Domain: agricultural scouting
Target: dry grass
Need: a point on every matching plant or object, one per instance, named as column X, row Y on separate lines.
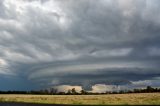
column 112, row 99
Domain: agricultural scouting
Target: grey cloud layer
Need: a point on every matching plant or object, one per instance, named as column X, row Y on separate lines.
column 85, row 42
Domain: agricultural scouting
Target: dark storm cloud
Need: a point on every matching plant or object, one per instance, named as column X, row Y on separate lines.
column 56, row 42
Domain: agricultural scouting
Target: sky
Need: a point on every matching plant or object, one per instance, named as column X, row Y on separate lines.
column 97, row 45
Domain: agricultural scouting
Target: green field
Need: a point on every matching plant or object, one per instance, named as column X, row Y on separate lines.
column 110, row 99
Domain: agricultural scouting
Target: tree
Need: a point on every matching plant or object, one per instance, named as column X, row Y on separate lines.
column 46, row 91
column 73, row 91
column 149, row 89
column 69, row 92
column 83, row 92
column 53, row 91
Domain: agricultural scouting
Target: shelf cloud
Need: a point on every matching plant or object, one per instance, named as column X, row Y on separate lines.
column 84, row 43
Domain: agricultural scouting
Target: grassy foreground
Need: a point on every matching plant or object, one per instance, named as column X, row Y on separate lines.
column 112, row 99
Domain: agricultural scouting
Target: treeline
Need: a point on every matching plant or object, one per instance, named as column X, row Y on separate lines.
column 73, row 91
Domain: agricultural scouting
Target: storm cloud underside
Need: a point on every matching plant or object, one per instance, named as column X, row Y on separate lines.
column 47, row 43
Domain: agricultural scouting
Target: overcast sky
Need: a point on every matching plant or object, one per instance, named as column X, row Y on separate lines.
column 85, row 43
